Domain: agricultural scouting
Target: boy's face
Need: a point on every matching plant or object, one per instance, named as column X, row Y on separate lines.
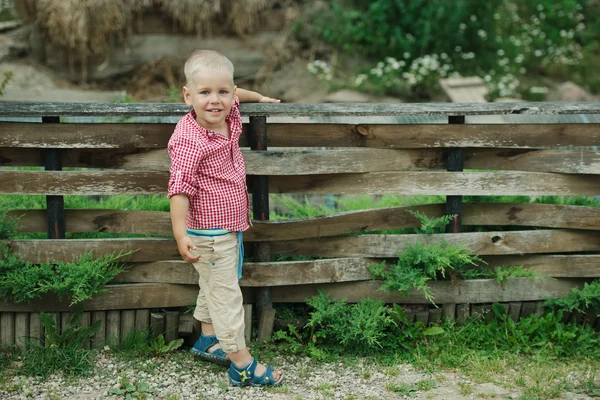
column 211, row 95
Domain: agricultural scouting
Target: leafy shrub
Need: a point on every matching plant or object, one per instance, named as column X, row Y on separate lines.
column 351, row 326
column 23, row 281
column 499, row 40
column 578, row 299
column 419, row 263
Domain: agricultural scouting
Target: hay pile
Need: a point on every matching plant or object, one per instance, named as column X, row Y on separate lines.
column 86, row 28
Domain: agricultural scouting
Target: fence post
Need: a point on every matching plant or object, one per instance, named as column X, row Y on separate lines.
column 55, row 205
column 260, row 207
column 455, row 161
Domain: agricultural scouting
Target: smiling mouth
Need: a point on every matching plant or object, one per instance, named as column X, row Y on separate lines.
column 215, row 111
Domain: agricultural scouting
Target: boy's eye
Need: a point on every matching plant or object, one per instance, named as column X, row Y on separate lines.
column 204, row 92
column 223, row 92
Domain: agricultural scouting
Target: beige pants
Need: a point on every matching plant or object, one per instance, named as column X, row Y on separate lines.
column 220, row 298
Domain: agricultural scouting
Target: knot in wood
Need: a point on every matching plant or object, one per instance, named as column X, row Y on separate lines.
column 497, row 240
column 363, row 130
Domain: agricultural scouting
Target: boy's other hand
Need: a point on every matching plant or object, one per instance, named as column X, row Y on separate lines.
column 184, row 245
column 265, row 99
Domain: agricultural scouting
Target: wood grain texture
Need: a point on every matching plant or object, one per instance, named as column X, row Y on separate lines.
column 375, row 246
column 84, row 136
column 561, row 161
column 258, row 274
column 348, row 270
column 385, row 136
column 471, row 291
column 445, row 183
column 431, row 135
column 128, row 296
column 135, row 296
column 317, row 161
column 403, row 183
column 32, row 109
column 557, row 266
column 474, row 214
column 482, row 243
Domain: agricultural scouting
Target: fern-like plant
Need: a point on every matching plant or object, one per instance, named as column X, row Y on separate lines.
column 420, row 263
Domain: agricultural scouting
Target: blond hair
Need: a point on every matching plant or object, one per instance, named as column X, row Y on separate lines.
column 206, row 60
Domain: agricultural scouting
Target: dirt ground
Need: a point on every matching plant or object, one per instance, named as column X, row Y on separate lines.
column 181, row 376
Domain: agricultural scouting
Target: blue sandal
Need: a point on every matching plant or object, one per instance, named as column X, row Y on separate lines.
column 204, row 343
column 245, row 376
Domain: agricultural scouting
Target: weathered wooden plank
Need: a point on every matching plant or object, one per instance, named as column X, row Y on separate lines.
column 527, row 308
column 84, row 136
column 127, row 296
column 348, row 270
column 21, row 329
column 171, row 326
column 259, row 274
column 271, row 162
column 557, row 266
column 85, row 321
column 469, row 291
column 155, row 136
column 48, row 250
column 113, row 327
column 127, row 323
column 514, row 310
column 142, row 320
column 435, row 316
column 7, row 328
column 82, row 182
column 159, row 222
column 317, row 161
column 157, row 323
column 449, row 311
column 36, row 335
column 247, row 323
column 483, row 243
column 265, row 324
column 32, row 109
column 408, row 183
column 447, row 183
column 560, row 161
column 335, row 161
column 100, row 336
column 420, row 136
column 532, row 214
column 376, row 246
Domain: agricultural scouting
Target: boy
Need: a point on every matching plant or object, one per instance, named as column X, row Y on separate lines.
column 210, row 209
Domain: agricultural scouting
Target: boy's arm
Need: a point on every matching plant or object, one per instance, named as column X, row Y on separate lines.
column 179, row 209
column 248, row 96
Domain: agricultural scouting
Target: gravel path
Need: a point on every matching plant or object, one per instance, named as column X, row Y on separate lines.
column 181, row 376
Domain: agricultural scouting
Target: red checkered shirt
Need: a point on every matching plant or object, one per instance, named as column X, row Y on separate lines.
column 209, row 169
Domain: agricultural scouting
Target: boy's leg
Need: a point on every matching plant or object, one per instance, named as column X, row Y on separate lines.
column 217, row 270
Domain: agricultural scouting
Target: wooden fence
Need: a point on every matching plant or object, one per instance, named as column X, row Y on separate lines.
column 453, row 159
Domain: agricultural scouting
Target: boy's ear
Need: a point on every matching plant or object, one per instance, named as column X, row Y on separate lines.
column 187, row 96
column 234, row 89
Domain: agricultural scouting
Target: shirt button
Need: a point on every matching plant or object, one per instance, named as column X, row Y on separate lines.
column 210, row 133
column 236, row 165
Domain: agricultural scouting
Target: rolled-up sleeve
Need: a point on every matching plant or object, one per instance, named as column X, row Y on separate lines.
column 185, row 156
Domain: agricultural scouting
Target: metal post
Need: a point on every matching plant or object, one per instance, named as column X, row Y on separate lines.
column 260, row 206
column 455, row 160
column 55, row 204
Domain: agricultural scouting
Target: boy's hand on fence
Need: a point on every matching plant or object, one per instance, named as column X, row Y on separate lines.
column 265, row 99
column 184, row 245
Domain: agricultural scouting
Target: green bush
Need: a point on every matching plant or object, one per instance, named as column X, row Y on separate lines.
column 23, row 281
column 415, row 42
column 420, row 263
column 578, row 299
